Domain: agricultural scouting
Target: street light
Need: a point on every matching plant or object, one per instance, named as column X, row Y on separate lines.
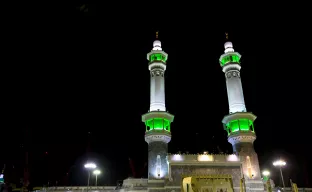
column 96, row 173
column 280, row 163
column 266, row 174
column 89, row 167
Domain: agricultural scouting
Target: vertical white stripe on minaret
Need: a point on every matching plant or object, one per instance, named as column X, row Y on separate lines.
column 157, row 91
column 233, row 83
column 235, row 92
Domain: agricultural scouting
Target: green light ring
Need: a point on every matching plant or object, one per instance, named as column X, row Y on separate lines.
column 158, row 124
column 157, row 57
column 239, row 125
column 230, row 58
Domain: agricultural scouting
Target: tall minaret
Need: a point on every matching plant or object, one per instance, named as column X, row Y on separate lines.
column 157, row 120
column 239, row 123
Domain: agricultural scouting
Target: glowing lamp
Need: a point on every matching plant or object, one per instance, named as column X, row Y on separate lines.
column 232, row 158
column 96, row 172
column 266, row 173
column 279, row 163
column 177, row 158
column 90, row 166
column 205, row 158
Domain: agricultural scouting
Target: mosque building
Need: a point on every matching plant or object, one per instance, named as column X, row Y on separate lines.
column 237, row 172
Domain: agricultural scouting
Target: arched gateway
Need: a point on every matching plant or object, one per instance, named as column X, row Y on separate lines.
column 207, row 183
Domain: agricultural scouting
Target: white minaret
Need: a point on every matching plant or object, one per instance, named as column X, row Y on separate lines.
column 157, row 120
column 239, row 123
column 157, row 67
column 234, row 84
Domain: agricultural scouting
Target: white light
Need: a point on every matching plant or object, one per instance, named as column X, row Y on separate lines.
column 158, row 173
column 157, row 45
column 1, row 176
column 204, row 158
column 90, row 166
column 266, row 173
column 232, row 158
column 96, row 172
column 228, row 47
column 177, row 158
column 279, row 163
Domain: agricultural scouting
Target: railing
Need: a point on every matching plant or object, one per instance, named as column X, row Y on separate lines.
column 151, row 131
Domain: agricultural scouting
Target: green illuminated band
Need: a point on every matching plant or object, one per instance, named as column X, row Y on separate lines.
column 231, row 58
column 157, row 57
column 239, row 125
column 157, row 124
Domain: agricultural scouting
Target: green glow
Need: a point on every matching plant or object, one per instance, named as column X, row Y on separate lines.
column 158, row 57
column 230, row 58
column 239, row 125
column 158, row 123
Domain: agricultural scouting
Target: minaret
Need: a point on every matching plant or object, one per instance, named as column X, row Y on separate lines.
column 157, row 120
column 239, row 123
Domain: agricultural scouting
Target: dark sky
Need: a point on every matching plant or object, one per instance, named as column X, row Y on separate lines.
column 68, row 72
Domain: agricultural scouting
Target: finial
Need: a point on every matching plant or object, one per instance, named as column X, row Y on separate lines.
column 226, row 36
column 156, row 34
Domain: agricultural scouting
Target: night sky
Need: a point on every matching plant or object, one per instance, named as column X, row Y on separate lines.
column 74, row 74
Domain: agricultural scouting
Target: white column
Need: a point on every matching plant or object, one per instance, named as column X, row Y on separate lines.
column 157, row 102
column 235, row 92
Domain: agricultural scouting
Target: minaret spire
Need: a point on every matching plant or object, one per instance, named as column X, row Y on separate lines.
column 226, row 36
column 157, row 120
column 239, row 122
column 157, row 34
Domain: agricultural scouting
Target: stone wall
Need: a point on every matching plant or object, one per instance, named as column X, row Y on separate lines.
column 247, row 151
column 189, row 158
column 154, row 149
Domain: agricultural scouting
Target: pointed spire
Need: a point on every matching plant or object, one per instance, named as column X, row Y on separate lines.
column 228, row 44
column 157, row 43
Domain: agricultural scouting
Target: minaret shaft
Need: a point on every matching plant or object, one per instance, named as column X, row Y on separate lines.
column 157, row 102
column 239, row 123
column 157, row 120
column 235, row 91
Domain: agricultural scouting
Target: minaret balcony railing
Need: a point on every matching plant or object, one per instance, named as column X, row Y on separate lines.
column 155, row 131
column 157, row 124
column 157, row 61
column 239, row 125
column 237, row 133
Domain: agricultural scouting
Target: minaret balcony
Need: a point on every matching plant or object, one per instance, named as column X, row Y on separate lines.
column 239, row 125
column 158, row 124
column 157, row 56
column 157, row 120
column 227, row 58
column 239, row 121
